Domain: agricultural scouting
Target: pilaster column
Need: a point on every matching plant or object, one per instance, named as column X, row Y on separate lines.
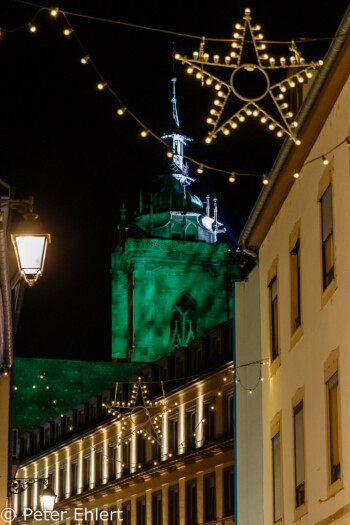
column 182, row 501
column 200, row 503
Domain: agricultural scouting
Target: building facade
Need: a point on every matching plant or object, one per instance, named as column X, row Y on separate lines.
column 161, row 451
column 299, row 229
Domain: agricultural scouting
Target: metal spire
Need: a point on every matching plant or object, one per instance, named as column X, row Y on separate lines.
column 174, row 102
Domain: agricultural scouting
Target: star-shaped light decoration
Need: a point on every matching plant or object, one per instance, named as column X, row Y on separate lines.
column 139, row 414
column 297, row 72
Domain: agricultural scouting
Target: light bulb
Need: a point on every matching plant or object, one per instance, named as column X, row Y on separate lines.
column 296, row 175
column 265, row 180
column 221, row 94
column 272, row 126
column 265, row 56
column 144, row 133
column 213, row 112
column 292, row 59
column 169, row 154
column 67, row 31
column 279, row 133
column 32, row 28
column 101, row 85
column 177, row 56
column 84, row 60
column 256, row 28
column 283, row 89
column 233, row 125
column 298, row 142
column 320, row 62
column 190, row 70
column 260, row 36
column 200, row 169
column 324, row 160
column 272, row 61
column 234, row 44
column 216, row 58
column 238, row 26
column 283, row 61
column 54, row 12
column 250, row 391
column 199, row 75
column 241, row 118
column 216, row 102
column 247, row 11
column 227, row 59
column 294, row 124
column 195, row 55
column 237, row 35
column 226, row 131
column 309, row 74
column 248, row 111
column 300, row 79
column 209, row 81
column 255, row 112
column 120, row 112
column 206, row 57
column 233, row 54
column 291, row 83
column 218, row 86
column 263, row 119
column 231, row 179
column 210, row 120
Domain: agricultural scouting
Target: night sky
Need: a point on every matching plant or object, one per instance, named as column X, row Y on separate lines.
column 62, row 142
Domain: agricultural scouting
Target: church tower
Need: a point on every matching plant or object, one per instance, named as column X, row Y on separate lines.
column 171, row 279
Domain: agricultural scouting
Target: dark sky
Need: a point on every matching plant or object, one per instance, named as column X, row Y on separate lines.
column 62, row 142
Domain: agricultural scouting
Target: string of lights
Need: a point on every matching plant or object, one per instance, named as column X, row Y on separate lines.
column 123, row 109
column 166, row 31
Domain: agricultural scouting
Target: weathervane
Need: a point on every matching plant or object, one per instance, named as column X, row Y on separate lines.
column 299, row 71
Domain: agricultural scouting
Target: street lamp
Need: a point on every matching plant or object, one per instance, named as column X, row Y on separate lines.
column 47, row 498
column 29, row 241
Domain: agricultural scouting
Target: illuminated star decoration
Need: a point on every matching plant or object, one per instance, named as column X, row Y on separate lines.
column 259, row 66
column 149, row 425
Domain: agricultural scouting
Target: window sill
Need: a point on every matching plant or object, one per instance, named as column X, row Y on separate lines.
column 297, row 334
column 300, row 512
column 276, row 363
column 335, row 487
column 328, row 292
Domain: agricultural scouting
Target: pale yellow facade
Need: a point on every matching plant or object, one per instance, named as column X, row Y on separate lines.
column 155, row 475
column 4, row 431
column 313, row 350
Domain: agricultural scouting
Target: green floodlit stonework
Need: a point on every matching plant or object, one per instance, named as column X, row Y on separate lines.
column 150, row 274
column 69, row 384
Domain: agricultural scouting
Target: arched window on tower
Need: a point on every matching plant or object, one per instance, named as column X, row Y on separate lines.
column 183, row 322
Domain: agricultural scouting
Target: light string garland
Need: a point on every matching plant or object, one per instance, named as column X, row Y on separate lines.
column 102, row 84
column 233, row 63
column 166, row 31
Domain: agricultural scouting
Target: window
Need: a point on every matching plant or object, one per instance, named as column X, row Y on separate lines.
column 295, row 286
column 228, row 413
column 191, row 502
column 112, row 458
column 333, row 422
column 183, row 322
column 173, row 505
column 229, row 491
column 277, row 477
column 173, row 435
column 141, row 511
column 327, row 237
column 157, row 508
column 274, row 317
column 209, row 497
column 190, row 429
column 126, row 508
column 141, row 449
column 73, row 478
column 299, row 460
column 98, row 468
column 86, row 473
column 62, row 483
column 209, row 423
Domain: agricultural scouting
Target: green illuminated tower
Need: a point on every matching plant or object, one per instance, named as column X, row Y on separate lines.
column 170, row 276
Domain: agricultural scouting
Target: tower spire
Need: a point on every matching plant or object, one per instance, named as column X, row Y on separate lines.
column 174, row 102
